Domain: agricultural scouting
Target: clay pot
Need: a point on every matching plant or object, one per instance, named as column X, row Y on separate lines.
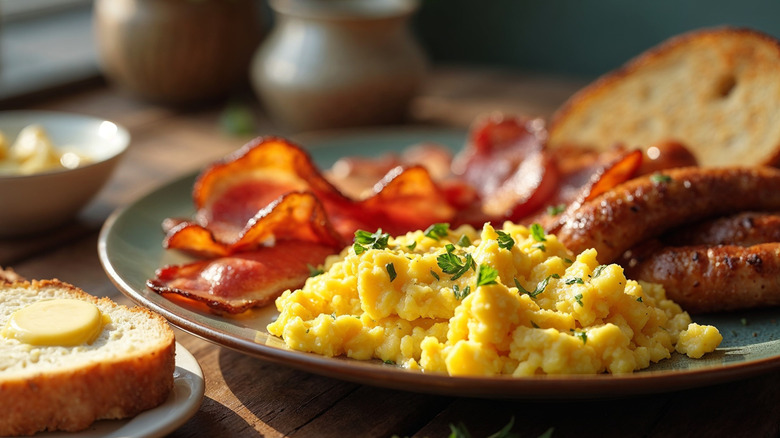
column 177, row 51
column 338, row 63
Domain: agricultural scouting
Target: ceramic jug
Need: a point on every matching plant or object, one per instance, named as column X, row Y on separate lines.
column 338, row 63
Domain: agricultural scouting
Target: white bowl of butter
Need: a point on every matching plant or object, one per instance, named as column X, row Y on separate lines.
column 51, row 165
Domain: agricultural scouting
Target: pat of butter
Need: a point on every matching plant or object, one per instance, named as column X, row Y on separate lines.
column 62, row 322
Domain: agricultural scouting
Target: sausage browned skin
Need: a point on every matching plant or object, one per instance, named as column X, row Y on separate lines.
column 715, row 278
column 743, row 229
column 645, row 207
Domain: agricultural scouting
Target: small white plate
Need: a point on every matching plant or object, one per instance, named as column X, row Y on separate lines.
column 184, row 401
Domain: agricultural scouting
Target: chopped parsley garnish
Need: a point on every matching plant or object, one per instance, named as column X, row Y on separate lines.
column 437, row 231
column 639, row 299
column 314, row 271
column 660, row 178
column 539, row 287
column 581, row 335
column 555, row 210
column 599, row 269
column 435, row 275
column 537, row 232
column 486, row 275
column 578, row 299
column 453, row 265
column 573, row 280
column 412, row 246
column 569, row 261
column 505, row 240
column 463, row 241
column 461, row 294
column 365, row 240
column 391, row 271
column 460, row 431
column 540, row 247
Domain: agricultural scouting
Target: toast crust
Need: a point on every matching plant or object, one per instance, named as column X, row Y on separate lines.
column 71, row 398
column 715, row 90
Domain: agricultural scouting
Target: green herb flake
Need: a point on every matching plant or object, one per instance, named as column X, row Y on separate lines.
column 537, row 232
column 547, row 433
column 555, row 210
column 463, row 241
column 578, row 299
column 412, row 246
column 505, row 240
column 568, row 261
column 540, row 247
column 581, row 335
column 435, row 275
column 391, row 271
column 389, row 362
column 314, row 271
column 365, row 240
column 660, row 178
column 486, row 274
column 437, row 231
column 539, row 287
column 461, row 294
column 534, row 325
column 453, row 265
column 599, row 269
column 573, row 280
column 640, row 299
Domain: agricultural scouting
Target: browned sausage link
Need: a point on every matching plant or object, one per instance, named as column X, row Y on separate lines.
column 743, row 229
column 715, row 278
column 647, row 206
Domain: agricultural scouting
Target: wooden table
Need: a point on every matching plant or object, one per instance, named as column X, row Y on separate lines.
column 248, row 397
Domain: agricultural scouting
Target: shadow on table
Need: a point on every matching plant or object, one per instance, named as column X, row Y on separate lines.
column 292, row 401
column 214, row 419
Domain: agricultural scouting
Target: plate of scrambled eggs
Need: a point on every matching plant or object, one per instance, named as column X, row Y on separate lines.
column 501, row 311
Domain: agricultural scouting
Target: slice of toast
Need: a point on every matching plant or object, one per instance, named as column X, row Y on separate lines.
column 126, row 370
column 717, row 91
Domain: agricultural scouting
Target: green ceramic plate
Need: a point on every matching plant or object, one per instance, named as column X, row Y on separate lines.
column 130, row 251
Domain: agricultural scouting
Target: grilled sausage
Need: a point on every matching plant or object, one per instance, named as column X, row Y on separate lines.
column 715, row 278
column 743, row 229
column 645, row 207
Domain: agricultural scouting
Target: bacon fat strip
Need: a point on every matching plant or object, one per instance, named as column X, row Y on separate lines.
column 705, row 278
column 645, row 207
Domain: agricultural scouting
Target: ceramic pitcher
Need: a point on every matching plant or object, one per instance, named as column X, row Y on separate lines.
column 338, row 63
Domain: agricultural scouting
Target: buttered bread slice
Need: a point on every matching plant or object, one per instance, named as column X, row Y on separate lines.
column 68, row 359
column 717, row 91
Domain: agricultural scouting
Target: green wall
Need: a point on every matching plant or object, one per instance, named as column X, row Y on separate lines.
column 571, row 37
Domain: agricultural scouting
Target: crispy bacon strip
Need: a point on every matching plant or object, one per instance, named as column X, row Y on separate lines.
column 235, row 283
column 506, row 162
column 233, row 190
column 294, row 216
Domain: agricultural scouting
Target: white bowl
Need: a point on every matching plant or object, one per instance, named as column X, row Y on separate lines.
column 43, row 201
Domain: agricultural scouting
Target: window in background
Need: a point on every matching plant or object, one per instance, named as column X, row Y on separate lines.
column 44, row 44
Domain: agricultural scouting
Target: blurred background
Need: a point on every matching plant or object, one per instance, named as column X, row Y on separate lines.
column 46, row 44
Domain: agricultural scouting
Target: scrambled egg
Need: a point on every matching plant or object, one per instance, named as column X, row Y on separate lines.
column 464, row 302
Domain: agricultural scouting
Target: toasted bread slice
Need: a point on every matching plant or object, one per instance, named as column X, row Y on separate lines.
column 126, row 370
column 715, row 90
